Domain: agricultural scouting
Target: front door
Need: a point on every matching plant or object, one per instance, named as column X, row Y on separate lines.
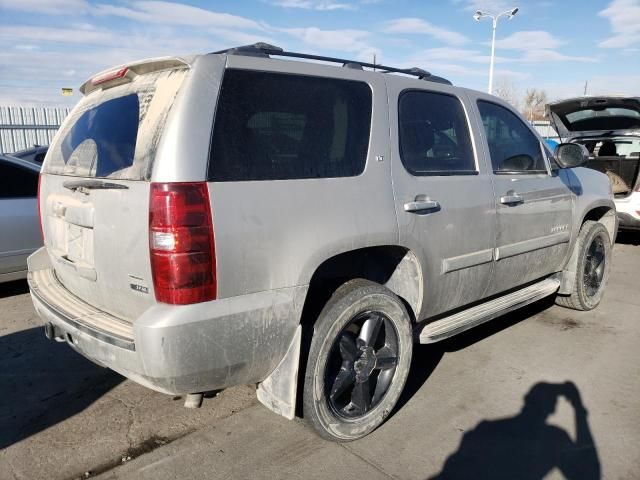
column 443, row 194
column 534, row 203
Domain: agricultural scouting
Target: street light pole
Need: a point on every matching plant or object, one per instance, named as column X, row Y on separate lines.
column 493, row 54
column 479, row 15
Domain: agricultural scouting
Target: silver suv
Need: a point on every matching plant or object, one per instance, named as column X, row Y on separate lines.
column 238, row 218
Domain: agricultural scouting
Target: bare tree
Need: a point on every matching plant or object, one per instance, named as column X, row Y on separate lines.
column 507, row 90
column 534, row 102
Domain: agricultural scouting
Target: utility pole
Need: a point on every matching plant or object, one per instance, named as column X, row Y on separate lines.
column 586, row 82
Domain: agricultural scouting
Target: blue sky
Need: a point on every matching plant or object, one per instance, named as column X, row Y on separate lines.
column 554, row 45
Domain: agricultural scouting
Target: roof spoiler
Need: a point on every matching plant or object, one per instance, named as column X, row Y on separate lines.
column 127, row 72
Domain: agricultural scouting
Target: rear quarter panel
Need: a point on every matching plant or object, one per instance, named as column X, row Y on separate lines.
column 274, row 234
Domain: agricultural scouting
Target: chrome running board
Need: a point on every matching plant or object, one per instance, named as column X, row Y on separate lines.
column 452, row 325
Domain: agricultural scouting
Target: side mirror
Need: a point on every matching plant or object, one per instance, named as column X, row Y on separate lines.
column 571, row 155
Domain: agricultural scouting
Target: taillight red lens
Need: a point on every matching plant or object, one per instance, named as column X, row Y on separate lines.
column 181, row 241
column 39, row 211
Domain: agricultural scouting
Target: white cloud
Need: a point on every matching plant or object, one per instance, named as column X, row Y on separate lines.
column 624, row 18
column 544, row 56
column 456, row 54
column 343, row 40
column 538, row 46
column 171, row 13
column 420, row 26
column 50, row 7
column 314, row 5
column 529, row 40
column 57, row 35
column 502, row 72
column 618, row 84
column 26, row 47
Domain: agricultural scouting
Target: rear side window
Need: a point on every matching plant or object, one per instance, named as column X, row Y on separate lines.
column 513, row 147
column 273, row 126
column 17, row 182
column 434, row 136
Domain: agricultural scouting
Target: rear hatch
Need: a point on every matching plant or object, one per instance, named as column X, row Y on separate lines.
column 592, row 116
column 94, row 191
column 610, row 129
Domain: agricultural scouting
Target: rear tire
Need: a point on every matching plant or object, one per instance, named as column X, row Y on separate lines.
column 358, row 361
column 592, row 270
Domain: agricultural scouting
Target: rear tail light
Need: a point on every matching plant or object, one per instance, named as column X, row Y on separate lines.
column 39, row 210
column 181, row 242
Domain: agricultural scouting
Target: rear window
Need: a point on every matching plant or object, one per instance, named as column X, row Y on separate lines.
column 114, row 133
column 272, row 126
column 103, row 140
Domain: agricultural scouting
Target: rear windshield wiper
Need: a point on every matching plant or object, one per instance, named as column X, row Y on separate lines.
column 83, row 185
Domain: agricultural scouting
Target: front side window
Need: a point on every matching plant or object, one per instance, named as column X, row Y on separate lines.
column 512, row 145
column 434, row 136
column 274, row 126
column 17, row 182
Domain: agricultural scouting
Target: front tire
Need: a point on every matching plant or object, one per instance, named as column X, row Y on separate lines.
column 592, row 269
column 358, row 361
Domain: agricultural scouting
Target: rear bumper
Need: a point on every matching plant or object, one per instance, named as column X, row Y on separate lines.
column 180, row 349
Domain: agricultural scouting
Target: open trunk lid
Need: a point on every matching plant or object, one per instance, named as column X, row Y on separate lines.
column 94, row 191
column 594, row 116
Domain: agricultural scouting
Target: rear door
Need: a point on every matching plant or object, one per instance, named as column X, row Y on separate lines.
column 95, row 190
column 534, row 204
column 18, row 215
column 443, row 194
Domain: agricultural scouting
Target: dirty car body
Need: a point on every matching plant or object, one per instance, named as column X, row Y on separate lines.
column 197, row 212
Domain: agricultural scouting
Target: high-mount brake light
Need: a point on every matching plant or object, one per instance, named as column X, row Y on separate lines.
column 181, row 242
column 107, row 77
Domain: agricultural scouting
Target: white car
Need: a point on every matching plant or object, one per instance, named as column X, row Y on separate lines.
column 610, row 129
column 19, row 222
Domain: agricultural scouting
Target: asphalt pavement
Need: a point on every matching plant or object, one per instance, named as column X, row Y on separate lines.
column 543, row 392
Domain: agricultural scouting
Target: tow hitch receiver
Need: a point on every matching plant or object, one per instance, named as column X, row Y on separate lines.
column 53, row 333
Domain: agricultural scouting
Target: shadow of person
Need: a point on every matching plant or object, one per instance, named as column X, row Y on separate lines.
column 526, row 446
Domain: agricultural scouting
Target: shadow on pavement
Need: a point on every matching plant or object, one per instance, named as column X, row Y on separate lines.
column 628, row 238
column 525, row 446
column 43, row 383
column 17, row 287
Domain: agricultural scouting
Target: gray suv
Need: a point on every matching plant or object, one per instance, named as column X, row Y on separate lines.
column 238, row 218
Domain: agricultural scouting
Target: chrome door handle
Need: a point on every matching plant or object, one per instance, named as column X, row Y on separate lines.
column 421, row 205
column 511, row 198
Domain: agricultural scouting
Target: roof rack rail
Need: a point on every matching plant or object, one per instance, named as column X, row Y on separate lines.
column 265, row 50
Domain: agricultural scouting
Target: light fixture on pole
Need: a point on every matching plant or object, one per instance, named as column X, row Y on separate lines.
column 477, row 17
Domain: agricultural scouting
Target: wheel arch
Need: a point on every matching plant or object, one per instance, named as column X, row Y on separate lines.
column 394, row 266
